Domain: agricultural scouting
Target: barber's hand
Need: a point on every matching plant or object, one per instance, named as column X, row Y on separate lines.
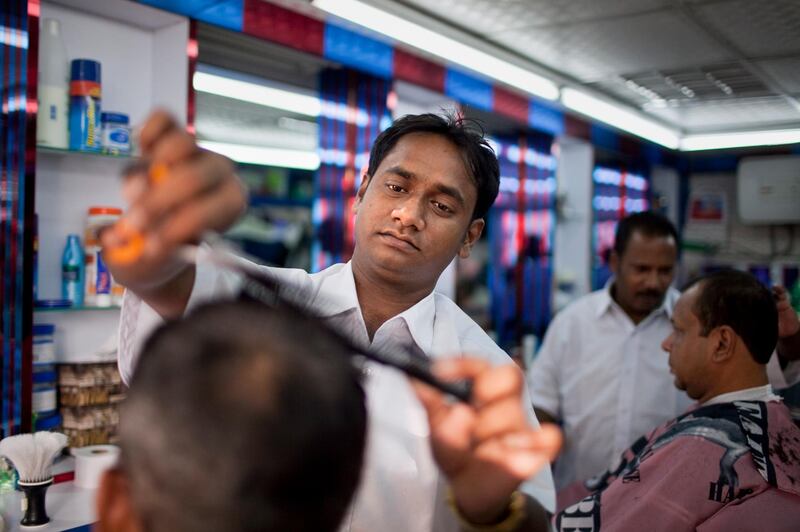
column 195, row 191
column 488, row 448
column 788, row 321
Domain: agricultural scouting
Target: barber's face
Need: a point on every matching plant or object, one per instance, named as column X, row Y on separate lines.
column 414, row 215
column 688, row 351
column 644, row 272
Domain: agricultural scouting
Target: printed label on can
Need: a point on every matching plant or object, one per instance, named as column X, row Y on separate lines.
column 44, row 352
column 103, row 279
column 119, row 136
column 44, row 401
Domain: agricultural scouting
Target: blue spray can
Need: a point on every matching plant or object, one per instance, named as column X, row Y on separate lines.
column 72, row 271
column 84, row 106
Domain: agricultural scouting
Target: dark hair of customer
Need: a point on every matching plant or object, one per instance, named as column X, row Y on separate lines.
column 647, row 223
column 479, row 157
column 243, row 418
column 740, row 301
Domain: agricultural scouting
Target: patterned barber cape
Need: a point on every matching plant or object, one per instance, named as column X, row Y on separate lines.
column 728, row 466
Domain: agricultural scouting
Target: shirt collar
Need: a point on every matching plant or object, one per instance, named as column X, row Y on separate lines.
column 420, row 321
column 758, row 393
column 340, row 296
column 337, row 293
column 606, row 302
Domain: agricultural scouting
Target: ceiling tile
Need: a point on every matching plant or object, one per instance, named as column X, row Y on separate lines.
column 755, row 28
column 785, row 72
column 733, row 114
column 492, row 16
column 602, row 49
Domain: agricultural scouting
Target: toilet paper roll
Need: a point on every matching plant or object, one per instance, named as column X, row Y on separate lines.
column 91, row 461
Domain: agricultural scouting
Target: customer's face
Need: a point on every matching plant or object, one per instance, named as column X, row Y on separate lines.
column 414, row 215
column 688, row 349
column 644, row 272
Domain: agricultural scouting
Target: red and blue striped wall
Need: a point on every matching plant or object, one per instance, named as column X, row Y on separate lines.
column 521, row 229
column 354, row 111
column 18, row 61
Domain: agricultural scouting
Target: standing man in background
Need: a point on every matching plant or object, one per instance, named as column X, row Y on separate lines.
column 601, row 371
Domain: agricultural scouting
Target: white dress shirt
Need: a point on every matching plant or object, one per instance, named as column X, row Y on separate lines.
column 401, row 488
column 608, row 380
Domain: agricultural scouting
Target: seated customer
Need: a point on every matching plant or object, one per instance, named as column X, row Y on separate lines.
column 731, row 463
column 239, row 418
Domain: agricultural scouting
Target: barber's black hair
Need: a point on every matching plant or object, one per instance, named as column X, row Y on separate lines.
column 467, row 135
column 740, row 301
column 647, row 223
column 243, row 418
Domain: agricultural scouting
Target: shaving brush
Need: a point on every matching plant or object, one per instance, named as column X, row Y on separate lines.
column 32, row 456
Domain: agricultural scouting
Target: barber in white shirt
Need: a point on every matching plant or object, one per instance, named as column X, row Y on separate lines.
column 601, row 371
column 430, row 182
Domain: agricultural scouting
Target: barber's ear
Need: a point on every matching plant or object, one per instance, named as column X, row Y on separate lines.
column 362, row 189
column 115, row 512
column 723, row 343
column 473, row 234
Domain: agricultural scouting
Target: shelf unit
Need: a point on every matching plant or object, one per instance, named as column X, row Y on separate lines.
column 144, row 61
column 84, row 308
column 54, row 152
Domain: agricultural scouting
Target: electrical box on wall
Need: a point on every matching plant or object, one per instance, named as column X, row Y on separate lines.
column 769, row 189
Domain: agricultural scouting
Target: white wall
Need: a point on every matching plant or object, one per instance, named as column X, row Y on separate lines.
column 735, row 243
column 572, row 254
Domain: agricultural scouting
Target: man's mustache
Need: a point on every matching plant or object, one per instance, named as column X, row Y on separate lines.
column 650, row 293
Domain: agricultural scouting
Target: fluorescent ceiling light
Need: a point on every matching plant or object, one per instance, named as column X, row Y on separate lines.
column 258, row 94
column 304, row 160
column 437, row 44
column 619, row 117
column 718, row 141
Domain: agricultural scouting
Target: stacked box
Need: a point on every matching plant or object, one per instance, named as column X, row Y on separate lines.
column 89, row 396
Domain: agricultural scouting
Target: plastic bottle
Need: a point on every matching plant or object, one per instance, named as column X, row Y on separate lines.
column 116, row 133
column 72, row 271
column 101, row 291
column 84, row 105
column 53, row 113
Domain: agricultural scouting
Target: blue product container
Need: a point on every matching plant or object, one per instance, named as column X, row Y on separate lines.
column 84, row 105
column 116, row 133
column 72, row 271
column 44, row 347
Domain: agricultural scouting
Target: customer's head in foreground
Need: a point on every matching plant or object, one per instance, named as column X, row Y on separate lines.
column 643, row 262
column 239, row 418
column 430, row 182
column 725, row 327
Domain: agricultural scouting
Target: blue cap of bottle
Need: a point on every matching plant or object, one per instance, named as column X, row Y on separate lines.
column 85, row 69
column 44, row 376
column 48, row 422
column 43, row 329
column 114, row 118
